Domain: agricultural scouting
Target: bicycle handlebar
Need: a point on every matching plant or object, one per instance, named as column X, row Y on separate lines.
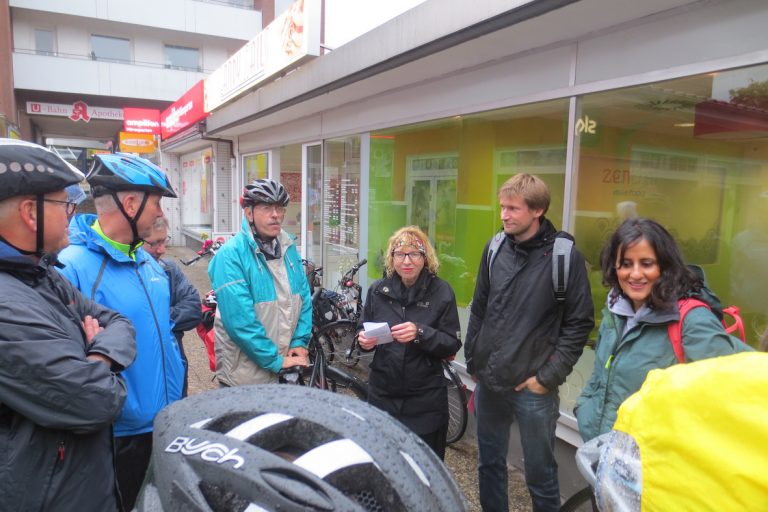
column 351, row 272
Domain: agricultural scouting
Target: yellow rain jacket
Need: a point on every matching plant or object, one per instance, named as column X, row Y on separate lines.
column 702, row 431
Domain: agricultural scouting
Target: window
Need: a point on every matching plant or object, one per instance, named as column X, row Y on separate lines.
column 110, row 48
column 179, row 57
column 44, row 42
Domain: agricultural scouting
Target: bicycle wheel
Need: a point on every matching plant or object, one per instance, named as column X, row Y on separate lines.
column 457, row 404
column 582, row 501
column 338, row 342
column 339, row 379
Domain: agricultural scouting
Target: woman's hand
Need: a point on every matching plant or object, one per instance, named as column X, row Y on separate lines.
column 366, row 343
column 405, row 332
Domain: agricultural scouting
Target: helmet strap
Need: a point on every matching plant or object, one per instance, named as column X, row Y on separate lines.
column 40, row 225
column 132, row 220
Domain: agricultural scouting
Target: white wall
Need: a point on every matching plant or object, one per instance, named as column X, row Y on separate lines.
column 182, row 15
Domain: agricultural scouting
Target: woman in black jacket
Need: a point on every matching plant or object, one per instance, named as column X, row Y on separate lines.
column 420, row 308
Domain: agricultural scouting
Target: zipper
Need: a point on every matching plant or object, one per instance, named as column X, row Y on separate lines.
column 159, row 334
column 57, row 463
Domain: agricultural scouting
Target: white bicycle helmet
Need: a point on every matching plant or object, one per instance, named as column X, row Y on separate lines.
column 290, row 448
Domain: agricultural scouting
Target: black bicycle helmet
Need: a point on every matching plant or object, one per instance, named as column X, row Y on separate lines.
column 290, row 448
column 30, row 169
column 264, row 191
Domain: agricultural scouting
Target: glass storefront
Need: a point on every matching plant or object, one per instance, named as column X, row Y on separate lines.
column 691, row 153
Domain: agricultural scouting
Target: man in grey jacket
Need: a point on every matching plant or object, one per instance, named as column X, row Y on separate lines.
column 186, row 311
column 60, row 354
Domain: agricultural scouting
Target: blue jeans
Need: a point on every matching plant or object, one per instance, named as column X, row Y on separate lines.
column 536, row 416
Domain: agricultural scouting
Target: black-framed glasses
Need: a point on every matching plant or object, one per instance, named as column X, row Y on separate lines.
column 70, row 206
column 158, row 243
column 413, row 256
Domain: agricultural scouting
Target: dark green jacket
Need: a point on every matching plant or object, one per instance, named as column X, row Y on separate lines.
column 622, row 361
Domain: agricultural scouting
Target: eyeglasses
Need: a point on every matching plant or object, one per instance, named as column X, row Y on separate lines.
column 158, row 243
column 268, row 208
column 413, row 256
column 70, row 206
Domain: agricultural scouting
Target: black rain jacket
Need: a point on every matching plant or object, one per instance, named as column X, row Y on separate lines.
column 407, row 379
column 56, row 406
column 516, row 327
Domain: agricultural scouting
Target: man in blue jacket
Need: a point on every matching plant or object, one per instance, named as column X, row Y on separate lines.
column 264, row 315
column 106, row 263
column 60, row 353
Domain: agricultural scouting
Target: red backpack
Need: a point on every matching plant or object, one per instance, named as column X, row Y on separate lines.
column 732, row 322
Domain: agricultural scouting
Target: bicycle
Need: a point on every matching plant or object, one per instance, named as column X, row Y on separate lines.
column 209, row 248
column 458, row 414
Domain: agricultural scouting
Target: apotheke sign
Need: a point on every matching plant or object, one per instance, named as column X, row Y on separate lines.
column 78, row 111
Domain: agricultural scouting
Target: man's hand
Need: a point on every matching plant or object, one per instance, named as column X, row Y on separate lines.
column 291, row 361
column 298, row 351
column 404, row 333
column 532, row 383
column 91, row 327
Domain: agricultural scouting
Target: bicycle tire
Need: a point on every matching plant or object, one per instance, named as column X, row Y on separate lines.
column 582, row 501
column 340, row 379
column 338, row 341
column 457, row 405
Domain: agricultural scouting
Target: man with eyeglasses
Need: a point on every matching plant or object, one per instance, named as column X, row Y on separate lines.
column 61, row 355
column 185, row 300
column 264, row 316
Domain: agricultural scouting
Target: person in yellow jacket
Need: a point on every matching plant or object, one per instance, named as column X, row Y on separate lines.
column 699, row 433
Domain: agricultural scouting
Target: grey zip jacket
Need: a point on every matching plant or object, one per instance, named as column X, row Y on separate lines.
column 56, row 406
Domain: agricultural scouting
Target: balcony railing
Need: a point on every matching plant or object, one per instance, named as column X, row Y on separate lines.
column 239, row 4
column 93, row 56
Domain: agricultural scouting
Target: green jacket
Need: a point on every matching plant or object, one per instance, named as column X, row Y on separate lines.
column 622, row 360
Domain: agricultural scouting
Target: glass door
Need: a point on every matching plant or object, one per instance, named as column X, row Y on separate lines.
column 311, row 208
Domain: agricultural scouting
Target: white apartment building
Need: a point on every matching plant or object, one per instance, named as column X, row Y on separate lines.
column 77, row 64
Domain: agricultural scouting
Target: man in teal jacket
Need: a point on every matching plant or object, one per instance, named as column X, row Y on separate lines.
column 264, row 315
column 106, row 263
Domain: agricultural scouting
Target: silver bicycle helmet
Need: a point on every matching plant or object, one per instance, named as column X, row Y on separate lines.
column 290, row 448
column 264, row 191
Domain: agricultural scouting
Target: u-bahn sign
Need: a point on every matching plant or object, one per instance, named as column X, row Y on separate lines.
column 77, row 111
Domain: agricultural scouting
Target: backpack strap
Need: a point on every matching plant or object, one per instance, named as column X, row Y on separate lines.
column 561, row 266
column 737, row 323
column 493, row 249
column 675, row 329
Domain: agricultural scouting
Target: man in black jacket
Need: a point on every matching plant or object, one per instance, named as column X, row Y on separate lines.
column 186, row 311
column 522, row 343
column 60, row 354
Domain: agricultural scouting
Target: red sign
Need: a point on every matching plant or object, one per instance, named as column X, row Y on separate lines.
column 186, row 111
column 141, row 120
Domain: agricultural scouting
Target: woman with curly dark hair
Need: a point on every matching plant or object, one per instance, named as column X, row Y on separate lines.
column 644, row 269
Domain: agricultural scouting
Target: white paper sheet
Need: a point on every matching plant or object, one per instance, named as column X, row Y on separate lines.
column 378, row 330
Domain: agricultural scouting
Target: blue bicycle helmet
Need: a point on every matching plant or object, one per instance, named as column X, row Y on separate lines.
column 121, row 171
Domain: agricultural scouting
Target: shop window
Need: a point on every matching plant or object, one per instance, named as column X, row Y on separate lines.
column 180, row 57
column 341, row 207
column 290, row 177
column 197, row 193
column 45, row 42
column 692, row 154
column 114, row 49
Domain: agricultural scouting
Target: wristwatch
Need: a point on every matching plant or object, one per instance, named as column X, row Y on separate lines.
column 419, row 334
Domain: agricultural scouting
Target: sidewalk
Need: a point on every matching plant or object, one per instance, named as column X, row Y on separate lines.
column 461, row 457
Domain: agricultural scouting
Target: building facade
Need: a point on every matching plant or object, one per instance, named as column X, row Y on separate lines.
column 655, row 108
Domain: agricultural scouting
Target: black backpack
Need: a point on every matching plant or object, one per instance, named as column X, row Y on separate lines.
column 561, row 261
